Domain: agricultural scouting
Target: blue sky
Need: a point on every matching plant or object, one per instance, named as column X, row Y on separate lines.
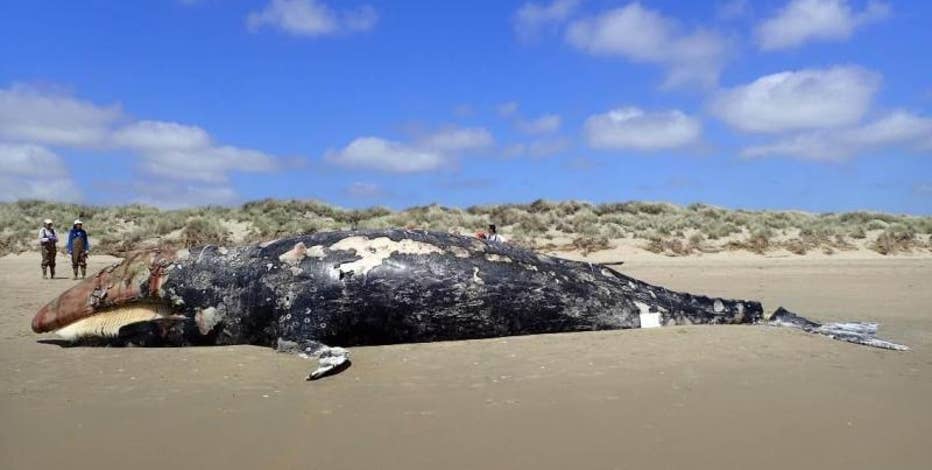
column 819, row 105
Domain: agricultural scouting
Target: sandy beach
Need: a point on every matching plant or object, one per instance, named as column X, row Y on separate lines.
column 696, row 397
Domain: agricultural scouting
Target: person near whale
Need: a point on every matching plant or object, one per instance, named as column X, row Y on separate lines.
column 78, row 248
column 492, row 236
column 48, row 245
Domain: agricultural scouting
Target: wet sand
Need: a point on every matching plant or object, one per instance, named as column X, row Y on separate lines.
column 680, row 397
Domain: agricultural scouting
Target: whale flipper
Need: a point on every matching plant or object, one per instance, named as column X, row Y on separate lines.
column 852, row 332
column 330, row 360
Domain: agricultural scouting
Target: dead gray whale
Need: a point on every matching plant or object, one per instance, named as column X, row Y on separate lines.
column 315, row 294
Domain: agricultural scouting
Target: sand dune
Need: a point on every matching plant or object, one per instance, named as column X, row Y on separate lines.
column 681, row 397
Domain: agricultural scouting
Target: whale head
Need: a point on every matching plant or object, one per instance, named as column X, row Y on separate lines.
column 126, row 293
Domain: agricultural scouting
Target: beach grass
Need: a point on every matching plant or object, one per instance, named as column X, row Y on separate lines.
column 660, row 227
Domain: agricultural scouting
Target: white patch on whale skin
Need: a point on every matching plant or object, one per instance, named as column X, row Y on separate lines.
column 478, row 246
column 718, row 306
column 294, row 256
column 267, row 243
column 475, row 275
column 498, row 258
column 206, row 319
column 648, row 319
column 459, row 252
column 373, row 252
column 107, row 324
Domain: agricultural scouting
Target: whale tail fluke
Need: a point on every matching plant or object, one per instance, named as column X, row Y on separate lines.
column 852, row 332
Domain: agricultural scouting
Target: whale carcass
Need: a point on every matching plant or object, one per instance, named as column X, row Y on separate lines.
column 316, row 294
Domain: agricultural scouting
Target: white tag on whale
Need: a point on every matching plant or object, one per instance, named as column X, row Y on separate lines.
column 648, row 319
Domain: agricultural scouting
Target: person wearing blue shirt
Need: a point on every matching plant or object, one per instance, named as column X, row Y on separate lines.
column 78, row 247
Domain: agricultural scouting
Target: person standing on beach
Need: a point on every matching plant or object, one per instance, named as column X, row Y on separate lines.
column 47, row 241
column 493, row 237
column 78, row 247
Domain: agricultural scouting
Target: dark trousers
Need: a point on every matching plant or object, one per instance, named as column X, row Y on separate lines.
column 78, row 257
column 49, row 250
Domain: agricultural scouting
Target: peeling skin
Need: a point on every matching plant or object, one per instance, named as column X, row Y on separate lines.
column 459, row 252
column 294, row 255
column 207, row 319
column 373, row 252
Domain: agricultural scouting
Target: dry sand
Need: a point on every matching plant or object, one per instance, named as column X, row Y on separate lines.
column 681, row 397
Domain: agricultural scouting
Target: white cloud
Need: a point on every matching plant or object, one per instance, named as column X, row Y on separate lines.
column 30, row 160
column 531, row 18
column 311, row 18
column 28, row 114
column 185, row 152
column 633, row 128
column 428, row 153
column 175, row 153
column 177, row 194
column 643, row 35
column 29, row 171
column 159, row 136
column 896, row 130
column 208, row 164
column 457, row 140
column 545, row 124
column 802, row 99
column 801, row 21
column 385, row 155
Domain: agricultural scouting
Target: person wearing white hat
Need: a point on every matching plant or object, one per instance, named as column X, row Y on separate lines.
column 47, row 241
column 78, row 247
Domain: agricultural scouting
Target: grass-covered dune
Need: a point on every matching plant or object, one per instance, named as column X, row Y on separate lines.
column 546, row 225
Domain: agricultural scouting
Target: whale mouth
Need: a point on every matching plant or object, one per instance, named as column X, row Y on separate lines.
column 106, row 324
column 124, row 293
